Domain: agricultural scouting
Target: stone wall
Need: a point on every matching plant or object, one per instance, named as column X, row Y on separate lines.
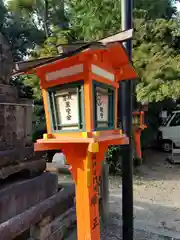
column 15, row 130
column 15, row 125
column 6, row 61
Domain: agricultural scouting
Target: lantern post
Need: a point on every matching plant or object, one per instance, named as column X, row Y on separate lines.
column 80, row 95
column 138, row 126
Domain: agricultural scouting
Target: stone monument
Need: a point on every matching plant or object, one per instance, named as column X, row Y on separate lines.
column 15, row 114
column 31, row 203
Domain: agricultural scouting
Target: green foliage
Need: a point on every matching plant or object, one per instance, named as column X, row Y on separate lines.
column 21, row 33
column 93, row 20
column 32, row 81
column 43, row 13
column 113, row 159
column 22, row 36
column 156, row 9
column 156, row 40
column 20, row 4
column 47, row 49
column 156, row 45
column 39, row 123
column 29, row 24
column 24, row 91
column 2, row 13
column 156, row 58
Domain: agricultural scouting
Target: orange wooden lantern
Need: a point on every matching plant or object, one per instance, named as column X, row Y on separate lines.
column 80, row 101
column 138, row 127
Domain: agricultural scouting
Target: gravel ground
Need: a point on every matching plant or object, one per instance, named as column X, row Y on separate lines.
column 156, row 181
column 156, row 195
column 114, row 232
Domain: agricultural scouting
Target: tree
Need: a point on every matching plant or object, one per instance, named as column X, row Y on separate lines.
column 2, row 13
column 93, row 20
column 43, row 13
column 156, row 41
column 21, row 34
column 24, row 91
column 156, row 9
column 156, row 57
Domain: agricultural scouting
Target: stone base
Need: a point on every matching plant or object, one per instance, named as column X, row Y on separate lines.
column 19, row 196
column 55, row 230
column 41, row 214
column 26, row 168
column 15, row 126
column 15, row 155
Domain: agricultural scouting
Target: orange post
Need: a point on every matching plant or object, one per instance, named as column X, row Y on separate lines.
column 139, row 126
column 85, row 169
column 137, row 140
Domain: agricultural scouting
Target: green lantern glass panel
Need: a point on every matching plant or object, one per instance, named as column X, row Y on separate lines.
column 103, row 106
column 136, row 120
column 66, row 107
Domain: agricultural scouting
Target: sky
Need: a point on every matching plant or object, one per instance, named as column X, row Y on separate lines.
column 178, row 6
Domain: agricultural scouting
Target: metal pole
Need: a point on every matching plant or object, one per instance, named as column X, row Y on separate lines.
column 125, row 114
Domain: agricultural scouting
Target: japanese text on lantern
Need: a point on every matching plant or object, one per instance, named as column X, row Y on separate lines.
column 67, row 106
column 100, row 105
column 102, row 100
column 95, row 185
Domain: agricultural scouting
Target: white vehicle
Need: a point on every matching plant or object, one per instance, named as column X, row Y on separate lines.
column 169, row 132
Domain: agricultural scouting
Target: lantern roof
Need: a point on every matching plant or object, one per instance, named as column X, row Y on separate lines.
column 71, row 49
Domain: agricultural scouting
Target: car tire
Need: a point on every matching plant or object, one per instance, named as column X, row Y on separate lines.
column 167, row 146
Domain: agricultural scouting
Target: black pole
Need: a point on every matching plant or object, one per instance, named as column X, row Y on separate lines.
column 125, row 115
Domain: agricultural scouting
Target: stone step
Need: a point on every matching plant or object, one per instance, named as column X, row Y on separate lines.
column 15, row 155
column 19, row 196
column 56, row 229
column 9, row 91
column 27, row 168
column 41, row 214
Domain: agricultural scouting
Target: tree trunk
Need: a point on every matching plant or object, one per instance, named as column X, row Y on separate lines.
column 46, row 27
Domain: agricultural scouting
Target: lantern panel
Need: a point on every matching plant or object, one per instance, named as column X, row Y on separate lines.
column 104, row 96
column 66, row 105
column 102, row 107
column 138, row 119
